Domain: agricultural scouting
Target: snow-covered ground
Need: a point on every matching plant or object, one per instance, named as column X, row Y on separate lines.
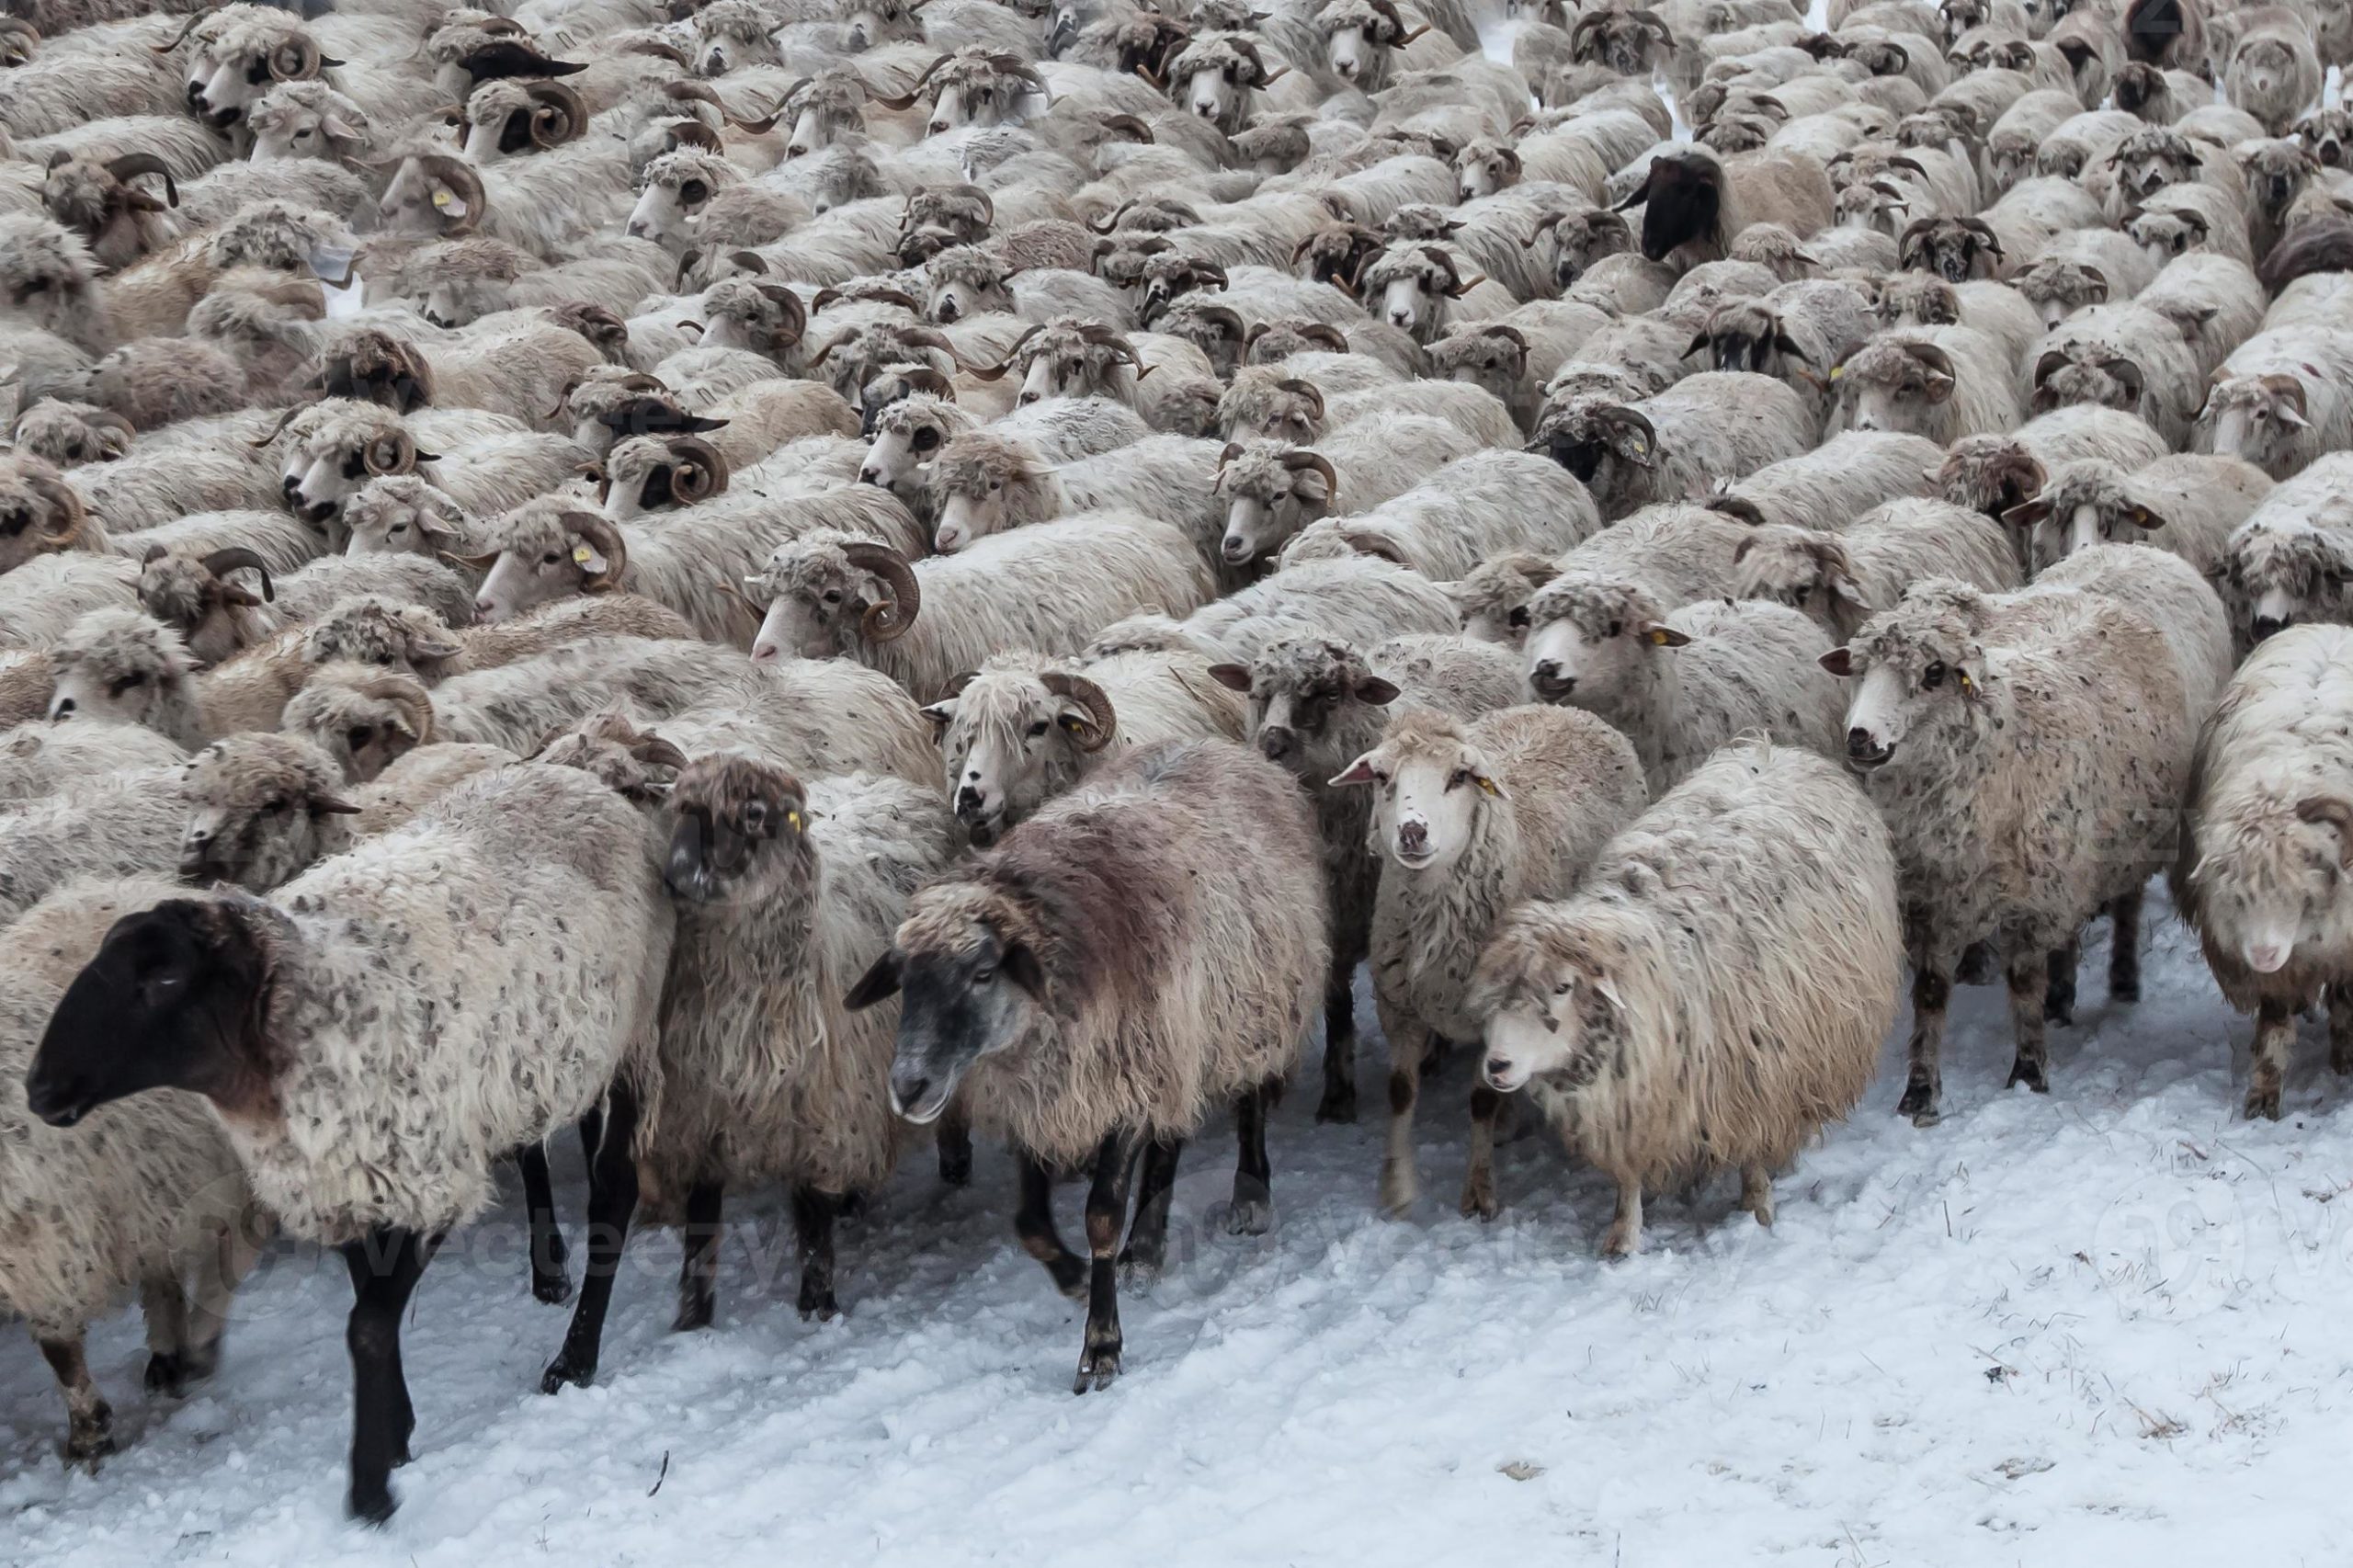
column 2055, row 1330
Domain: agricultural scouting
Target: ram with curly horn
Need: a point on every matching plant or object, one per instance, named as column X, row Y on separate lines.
column 1364, row 39
column 1944, row 383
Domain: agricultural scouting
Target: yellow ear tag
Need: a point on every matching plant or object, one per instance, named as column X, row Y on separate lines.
column 1488, row 785
column 581, row 555
column 1965, row 683
column 1657, row 637
column 1837, row 371
column 441, row 198
column 794, row 819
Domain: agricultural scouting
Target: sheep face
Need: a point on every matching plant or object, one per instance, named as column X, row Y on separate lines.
column 1917, row 299
column 1596, row 438
column 1899, row 386
column 2086, row 375
column 1804, row 570
column 337, row 459
column 1264, row 404
column 754, row 315
column 730, row 34
column 71, row 434
column 1306, row 699
column 1747, row 334
column 2329, row 134
column 2057, row 289
column 965, row 282
column 2275, row 173
column 739, row 833
column 1580, row 239
column 982, row 486
column 1013, row 738
column 306, row 119
column 982, row 92
column 39, row 512
column 196, row 599
column 1483, row 167
column 2273, row 881
column 678, row 187
column 971, row 989
column 2288, row 574
column 908, row 435
column 539, row 562
column 364, row 719
column 1493, row 600
column 229, row 73
column 1680, row 198
column 1413, row 284
column 1588, row 638
column 260, row 811
column 656, row 474
column 371, row 632
column 2258, row 418
column 119, row 667
column 1271, row 492
column 2087, row 503
column 1493, row 358
column 1988, row 474
column 2166, row 232
column 1550, row 1004
column 1918, row 675
column 2153, row 159
column 400, row 515
column 828, row 113
column 49, row 278
column 172, row 1001
column 433, row 194
column 873, row 22
column 1955, row 249
column 1876, row 205
column 828, row 594
column 1429, row 785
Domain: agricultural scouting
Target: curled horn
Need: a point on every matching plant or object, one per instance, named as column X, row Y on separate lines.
column 988, row 204
column 796, row 314
column 1651, row 23
column 2128, row 372
column 181, row 37
column 221, row 563
column 607, row 539
column 1934, row 358
column 914, row 88
column 888, row 621
column 2052, row 360
column 1620, row 415
column 1328, row 334
column 1307, row 390
column 296, row 60
column 131, row 165
column 1298, row 462
column 1131, row 124
column 1089, row 696
column 278, row 429
column 1984, row 230
column 557, row 114
column 395, row 453
column 1590, row 23
column 1110, row 222
column 698, row 470
column 1454, row 284
column 659, row 50
column 996, row 373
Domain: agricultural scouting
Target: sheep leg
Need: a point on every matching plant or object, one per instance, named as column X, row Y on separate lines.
column 955, row 1147
column 1625, row 1235
column 1339, row 1102
column 612, row 1198
column 164, row 1304
column 1924, row 1086
column 1147, row 1249
column 1756, row 1193
column 2275, row 1031
column 699, row 1263
column 2032, row 982
column 2124, row 947
column 2340, row 1029
column 548, row 1281
column 1107, row 1216
column 1479, row 1182
column 1401, row 1183
column 1253, row 1211
column 812, row 1230
column 385, row 1266
column 2059, row 986
column 219, row 1268
column 1033, row 1221
column 89, row 1421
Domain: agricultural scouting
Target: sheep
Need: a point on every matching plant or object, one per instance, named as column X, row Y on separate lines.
column 830, row 592
column 1490, row 502
column 2183, row 218
column 548, row 550
column 2213, row 301
column 45, row 759
column 40, row 601
column 146, row 1196
column 1946, row 383
column 1023, row 727
column 260, row 1023
column 2291, row 557
column 1695, row 203
column 1422, row 290
column 491, row 464
column 40, row 512
column 2065, row 716
column 2189, row 504
column 521, row 364
column 1843, row 477
column 1070, row 359
column 1721, row 423
column 2274, row 73
column 2126, row 356
column 371, row 629
column 1316, row 702
column 2258, row 874
column 1361, row 599
column 1795, row 334
column 2282, row 398
column 1264, row 401
column 1061, row 913
column 218, row 617
column 545, row 205
column 983, row 483
column 1992, row 473
column 1272, row 489
column 1841, row 575
column 1472, row 819
column 1714, row 993
column 1601, row 642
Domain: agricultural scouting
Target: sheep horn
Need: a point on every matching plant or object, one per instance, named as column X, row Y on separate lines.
column 2053, row 359
column 698, row 471
column 296, row 60
column 659, row 50
column 279, row 428
column 1320, row 464
column 395, row 453
column 181, row 37
column 1089, row 696
column 1931, row 355
column 221, row 563
column 914, row 88
column 607, row 539
column 1307, row 390
column 1986, row 230
column 131, row 165
column 559, row 117
column 1620, row 415
column 1129, row 122
column 888, row 621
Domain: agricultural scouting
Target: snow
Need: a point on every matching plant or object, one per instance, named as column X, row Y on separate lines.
column 2097, row 1323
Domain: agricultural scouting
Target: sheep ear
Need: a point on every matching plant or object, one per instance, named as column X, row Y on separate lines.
column 438, row 644
column 1839, row 662
column 2289, row 416
column 2143, row 518
column 1376, row 691
column 1847, row 588
column 941, row 714
column 2025, row 514
column 1489, row 786
column 588, row 558
column 1939, row 388
column 1658, row 634
column 1022, row 965
column 1357, row 772
column 879, row 983
column 1233, row 677
column 329, row 805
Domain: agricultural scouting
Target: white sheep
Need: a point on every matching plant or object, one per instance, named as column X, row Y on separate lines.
column 1841, row 575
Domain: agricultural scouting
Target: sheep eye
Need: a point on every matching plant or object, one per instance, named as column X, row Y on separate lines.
column 75, row 452
column 1518, row 618
column 926, row 439
column 383, row 658
column 303, row 134
column 359, row 736
column 1459, row 778
column 1803, row 594
column 1037, row 729
column 982, row 976
column 273, row 804
column 1616, row 627
column 833, row 596
column 1564, row 987
column 1932, row 677
column 122, row 684
column 549, row 558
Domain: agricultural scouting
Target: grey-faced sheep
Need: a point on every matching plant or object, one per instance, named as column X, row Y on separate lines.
column 1715, row 992
column 2291, row 559
column 497, row 1044
column 1471, row 819
column 1945, row 383
column 1718, row 425
column 219, row 616
column 1272, row 490
column 2262, row 864
column 1839, row 576
column 2283, row 397
column 2274, row 73
column 1993, row 472
column 2189, row 504
column 1492, row 501
column 1023, row 994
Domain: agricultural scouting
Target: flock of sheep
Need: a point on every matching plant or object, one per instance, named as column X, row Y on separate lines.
column 762, row 577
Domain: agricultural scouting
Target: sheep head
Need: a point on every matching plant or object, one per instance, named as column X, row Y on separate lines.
column 549, row 551
column 830, row 592
column 1013, row 735
column 1314, row 703
column 1272, row 491
column 262, row 809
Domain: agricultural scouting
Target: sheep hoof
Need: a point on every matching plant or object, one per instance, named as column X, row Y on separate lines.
column 2263, row 1105
column 552, row 1289
column 88, row 1442
column 1479, row 1201
column 1139, row 1271
column 2031, row 1073
column 370, row 1504
column 1622, row 1242
column 1976, row 967
column 1070, row 1276
column 167, row 1375
column 1919, row 1103
column 1398, row 1191
column 1250, row 1217
column 1337, row 1104
column 1099, row 1367
column 2340, row 1059
column 819, row 1306
column 694, row 1315
column 2122, row 989
column 564, row 1370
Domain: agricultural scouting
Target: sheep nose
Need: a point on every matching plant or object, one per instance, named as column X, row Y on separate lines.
column 796, row 151
column 1027, row 398
column 969, row 801
column 1550, row 683
column 908, row 1090
column 637, row 229
column 1207, row 111
column 947, row 312
column 2268, row 626
column 482, row 608
column 1413, row 838
column 62, row 709
column 1400, row 318
column 1234, row 550
column 764, row 653
column 938, row 128
column 1277, row 744
column 1498, row 1068
column 869, row 475
column 290, row 487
